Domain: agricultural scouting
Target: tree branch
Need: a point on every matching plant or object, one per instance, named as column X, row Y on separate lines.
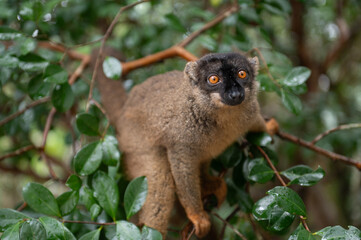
column 341, row 127
column 104, row 39
column 31, row 105
column 27, row 172
column 231, row 226
column 17, row 152
column 88, row 222
column 331, row 155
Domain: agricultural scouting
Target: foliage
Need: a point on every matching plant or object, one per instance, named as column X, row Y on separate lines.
column 96, row 187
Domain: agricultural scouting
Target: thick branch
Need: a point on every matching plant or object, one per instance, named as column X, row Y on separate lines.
column 31, row 105
column 331, row 155
column 178, row 49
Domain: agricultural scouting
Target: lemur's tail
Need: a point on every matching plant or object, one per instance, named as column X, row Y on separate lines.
column 112, row 92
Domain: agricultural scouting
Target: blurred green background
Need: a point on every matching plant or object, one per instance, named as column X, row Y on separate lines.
column 324, row 36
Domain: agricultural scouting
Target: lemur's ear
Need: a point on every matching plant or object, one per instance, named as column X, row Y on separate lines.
column 191, row 70
column 254, row 63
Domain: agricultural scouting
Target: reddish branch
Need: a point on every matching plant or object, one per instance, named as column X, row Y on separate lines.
column 17, row 152
column 303, row 219
column 87, row 222
column 231, row 226
column 341, row 127
column 331, row 155
column 31, row 105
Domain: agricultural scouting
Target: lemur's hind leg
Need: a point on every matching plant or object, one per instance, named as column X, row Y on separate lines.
column 161, row 191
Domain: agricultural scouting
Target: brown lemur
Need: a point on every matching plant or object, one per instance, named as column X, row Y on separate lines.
column 172, row 125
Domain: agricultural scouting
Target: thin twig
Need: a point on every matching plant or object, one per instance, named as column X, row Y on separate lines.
column 231, row 226
column 272, row 166
column 100, row 53
column 27, row 172
column 215, row 21
column 31, row 105
column 341, row 127
column 227, row 219
column 17, row 152
column 22, row 207
column 303, row 220
column 49, row 120
column 191, row 233
column 331, row 155
column 79, row 70
column 263, row 60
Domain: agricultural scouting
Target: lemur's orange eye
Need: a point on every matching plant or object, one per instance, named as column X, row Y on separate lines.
column 242, row 74
column 213, row 79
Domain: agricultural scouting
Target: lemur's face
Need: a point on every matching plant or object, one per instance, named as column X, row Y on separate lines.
column 228, row 77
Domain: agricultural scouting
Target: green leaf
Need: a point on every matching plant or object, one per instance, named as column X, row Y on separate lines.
column 111, row 154
column 55, row 74
column 259, row 138
column 304, row 175
column 32, row 62
column 135, row 195
column 112, row 68
column 259, row 171
column 25, row 45
column 88, row 159
column 41, row 199
column 37, row 88
column 291, row 102
column 9, row 61
column 93, row 235
column 127, row 231
column 87, row 197
column 74, row 182
column 8, row 34
column 9, row 217
column 270, row 216
column 87, row 124
column 67, row 202
column 12, row 232
column 231, row 156
column 266, row 83
column 288, row 200
column 278, row 7
column 150, row 234
column 32, row 230
column 239, row 196
column 56, row 230
column 106, row 192
column 62, row 97
column 175, row 23
column 296, row 76
column 301, row 234
column 95, row 210
column 338, row 232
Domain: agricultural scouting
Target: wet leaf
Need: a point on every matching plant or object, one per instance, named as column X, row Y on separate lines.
column 56, row 230
column 93, row 235
column 304, row 175
column 41, row 199
column 8, row 34
column 12, row 233
column 259, row 171
column 111, row 154
column 9, row 217
column 67, row 202
column 55, row 74
column 106, row 192
column 127, row 231
column 87, row 124
column 135, row 195
column 74, row 182
column 301, row 234
column 32, row 62
column 291, row 102
column 112, row 68
column 32, row 230
column 288, row 200
column 62, row 97
column 150, row 234
column 37, row 88
column 296, row 76
column 88, row 159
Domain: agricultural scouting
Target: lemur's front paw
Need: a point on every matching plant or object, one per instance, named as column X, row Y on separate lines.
column 201, row 222
column 272, row 126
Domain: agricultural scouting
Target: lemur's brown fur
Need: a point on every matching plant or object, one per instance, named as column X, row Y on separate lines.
column 169, row 130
